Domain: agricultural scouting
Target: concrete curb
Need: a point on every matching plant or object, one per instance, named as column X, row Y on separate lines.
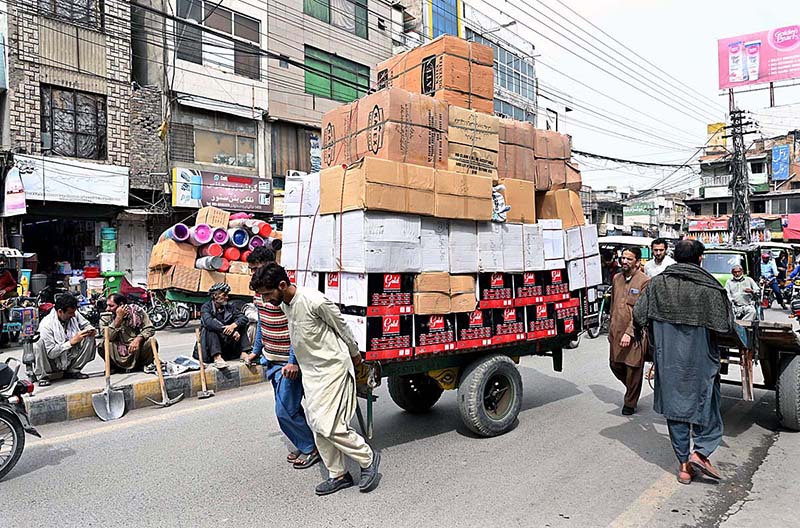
column 76, row 405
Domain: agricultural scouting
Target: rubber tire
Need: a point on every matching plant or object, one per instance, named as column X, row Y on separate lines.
column 12, row 420
column 159, row 317
column 470, row 395
column 787, row 392
column 415, row 393
column 593, row 333
column 183, row 321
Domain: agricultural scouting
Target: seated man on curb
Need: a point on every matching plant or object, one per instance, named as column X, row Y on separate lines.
column 130, row 330
column 66, row 342
column 223, row 329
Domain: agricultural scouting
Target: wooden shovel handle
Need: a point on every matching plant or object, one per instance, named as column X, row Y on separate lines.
column 158, row 369
column 200, row 359
column 107, row 346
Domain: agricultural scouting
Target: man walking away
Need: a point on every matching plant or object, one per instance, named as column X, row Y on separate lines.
column 660, row 259
column 327, row 353
column 769, row 273
column 742, row 292
column 66, row 343
column 686, row 308
column 627, row 345
column 272, row 343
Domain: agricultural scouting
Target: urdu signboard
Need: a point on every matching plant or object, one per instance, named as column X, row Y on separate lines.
column 196, row 188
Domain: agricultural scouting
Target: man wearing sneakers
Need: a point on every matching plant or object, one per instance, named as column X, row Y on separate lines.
column 272, row 344
column 327, row 354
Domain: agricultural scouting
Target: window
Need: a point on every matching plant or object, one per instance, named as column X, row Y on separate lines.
column 222, row 148
column 758, row 167
column 513, row 72
column 74, row 122
column 199, row 136
column 349, row 15
column 87, row 13
column 239, row 54
column 779, row 206
column 759, row 207
column 444, row 17
column 333, row 77
column 508, row 110
column 722, row 208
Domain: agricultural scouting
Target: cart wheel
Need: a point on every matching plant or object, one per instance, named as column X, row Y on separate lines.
column 787, row 392
column 574, row 343
column 490, row 395
column 415, row 393
column 594, row 332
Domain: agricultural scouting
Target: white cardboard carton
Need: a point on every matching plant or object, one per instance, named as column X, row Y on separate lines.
column 301, row 197
column 309, row 243
column 533, row 247
column 555, row 264
column 349, row 289
column 358, row 326
column 434, row 242
column 305, row 279
column 463, row 247
column 374, row 242
column 553, row 244
column 551, row 223
column 490, row 246
column 513, row 248
column 584, row 273
column 581, row 242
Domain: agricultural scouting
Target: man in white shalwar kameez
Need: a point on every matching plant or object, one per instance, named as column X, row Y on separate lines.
column 326, row 351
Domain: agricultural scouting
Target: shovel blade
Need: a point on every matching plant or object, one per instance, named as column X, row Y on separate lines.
column 109, row 405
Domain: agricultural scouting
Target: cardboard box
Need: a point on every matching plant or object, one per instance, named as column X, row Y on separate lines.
column 513, row 248
column 555, row 264
column 474, row 328
column 527, row 288
column 434, row 241
column 238, row 267
column 495, row 290
column 555, row 283
column 302, row 195
column 307, row 279
column 467, row 127
column 490, row 247
column 574, row 180
column 463, row 247
column 463, row 302
column 584, row 273
column 508, row 324
column 431, row 303
column 309, row 243
column 472, row 160
column 462, row 284
column 516, row 150
column 183, row 278
column 449, row 206
column 581, row 242
column 382, row 338
column 168, row 253
column 379, row 185
column 374, row 242
column 541, row 321
column 462, row 196
column 568, row 308
column 434, row 333
column 157, row 278
column 550, row 144
column 521, row 196
column 379, row 293
column 210, row 278
column 432, row 283
column 532, row 247
column 240, row 284
column 550, row 174
column 391, row 124
column 449, row 68
column 563, row 204
column 213, row 216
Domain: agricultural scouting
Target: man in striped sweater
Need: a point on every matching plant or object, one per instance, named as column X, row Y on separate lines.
column 273, row 345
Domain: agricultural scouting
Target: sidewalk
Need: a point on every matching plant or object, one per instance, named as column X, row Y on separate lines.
column 72, row 399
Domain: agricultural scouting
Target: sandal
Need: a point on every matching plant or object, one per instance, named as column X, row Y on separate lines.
column 76, row 375
column 292, row 456
column 44, row 383
column 305, row 461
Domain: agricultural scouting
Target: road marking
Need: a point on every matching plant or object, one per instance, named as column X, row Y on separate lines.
column 647, row 504
column 117, row 426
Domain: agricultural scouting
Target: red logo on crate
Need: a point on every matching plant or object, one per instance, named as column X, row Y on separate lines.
column 436, row 323
column 333, row 280
column 509, row 315
column 391, row 325
column 496, row 281
column 391, row 282
column 569, row 326
column 476, row 318
column 529, row 278
column 292, row 276
column 555, row 275
column 541, row 311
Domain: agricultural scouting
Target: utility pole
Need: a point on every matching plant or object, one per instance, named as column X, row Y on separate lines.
column 740, row 184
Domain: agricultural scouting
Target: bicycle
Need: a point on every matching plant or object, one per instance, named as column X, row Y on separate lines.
column 605, row 313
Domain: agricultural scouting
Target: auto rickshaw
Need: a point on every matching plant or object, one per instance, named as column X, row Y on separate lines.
column 719, row 260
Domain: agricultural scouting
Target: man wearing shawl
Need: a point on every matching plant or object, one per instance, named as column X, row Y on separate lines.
column 130, row 330
column 327, row 352
column 685, row 309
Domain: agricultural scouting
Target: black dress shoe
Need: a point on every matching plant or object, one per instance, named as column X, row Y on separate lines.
column 369, row 475
column 332, row 485
column 627, row 411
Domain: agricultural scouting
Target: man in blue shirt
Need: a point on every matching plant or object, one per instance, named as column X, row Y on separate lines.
column 769, row 273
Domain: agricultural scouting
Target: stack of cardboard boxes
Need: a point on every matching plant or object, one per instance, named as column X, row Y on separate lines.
column 399, row 219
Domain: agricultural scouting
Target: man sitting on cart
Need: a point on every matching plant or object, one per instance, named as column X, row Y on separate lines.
column 130, row 330
column 223, row 328
column 743, row 293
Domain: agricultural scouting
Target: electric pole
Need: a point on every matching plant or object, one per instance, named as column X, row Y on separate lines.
column 740, row 181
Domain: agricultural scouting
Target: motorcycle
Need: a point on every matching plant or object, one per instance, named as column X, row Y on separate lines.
column 91, row 308
column 14, row 421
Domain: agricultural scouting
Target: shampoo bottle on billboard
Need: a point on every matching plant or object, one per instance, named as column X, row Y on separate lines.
column 752, row 51
column 736, row 64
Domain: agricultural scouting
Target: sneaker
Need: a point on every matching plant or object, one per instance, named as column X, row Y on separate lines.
column 369, row 475
column 332, row 485
column 220, row 363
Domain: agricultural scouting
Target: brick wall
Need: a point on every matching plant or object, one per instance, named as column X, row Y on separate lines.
column 148, row 154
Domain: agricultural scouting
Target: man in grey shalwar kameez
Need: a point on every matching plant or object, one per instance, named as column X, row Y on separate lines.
column 685, row 308
column 327, row 352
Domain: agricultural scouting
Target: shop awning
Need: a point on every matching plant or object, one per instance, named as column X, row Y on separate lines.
column 791, row 231
column 206, row 103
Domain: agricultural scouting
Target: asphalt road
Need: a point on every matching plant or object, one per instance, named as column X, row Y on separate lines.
column 573, row 460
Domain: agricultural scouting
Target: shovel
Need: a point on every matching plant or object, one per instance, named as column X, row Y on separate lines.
column 109, row 404
column 205, row 393
column 165, row 401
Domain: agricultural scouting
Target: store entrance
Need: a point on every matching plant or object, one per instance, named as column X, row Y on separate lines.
column 58, row 241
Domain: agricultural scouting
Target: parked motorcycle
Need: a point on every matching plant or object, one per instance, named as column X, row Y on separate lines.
column 14, row 421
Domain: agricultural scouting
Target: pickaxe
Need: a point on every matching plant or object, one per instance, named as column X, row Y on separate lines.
column 165, row 401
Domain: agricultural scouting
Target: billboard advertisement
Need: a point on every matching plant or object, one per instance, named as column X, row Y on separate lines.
column 781, row 158
column 196, row 188
column 761, row 57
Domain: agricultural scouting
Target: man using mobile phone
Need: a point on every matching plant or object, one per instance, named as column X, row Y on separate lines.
column 66, row 344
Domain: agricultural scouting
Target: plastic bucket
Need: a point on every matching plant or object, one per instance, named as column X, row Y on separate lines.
column 255, row 241
column 220, row 236
column 232, row 253
column 200, row 235
column 238, row 237
column 208, row 263
column 178, row 233
column 108, row 233
column 211, row 250
column 108, row 246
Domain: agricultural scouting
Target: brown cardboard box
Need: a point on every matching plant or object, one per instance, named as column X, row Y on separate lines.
column 240, row 284
column 514, row 161
column 239, row 268
column 472, row 160
column 468, row 127
column 213, row 216
column 431, row 303
column 183, row 278
column 462, row 196
column 551, row 174
column 379, row 185
column 463, row 302
column 564, row 204
column 459, row 184
column 391, row 124
column 157, row 279
column 432, row 283
column 574, row 180
column 551, row 145
column 521, row 196
column 169, row 253
column 520, row 133
column 449, row 68
column 462, row 207
column 209, row 278
column 462, row 284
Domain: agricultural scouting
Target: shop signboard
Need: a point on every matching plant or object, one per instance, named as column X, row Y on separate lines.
column 708, row 225
column 781, row 158
column 196, row 188
column 757, row 58
column 68, row 180
column 14, row 194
